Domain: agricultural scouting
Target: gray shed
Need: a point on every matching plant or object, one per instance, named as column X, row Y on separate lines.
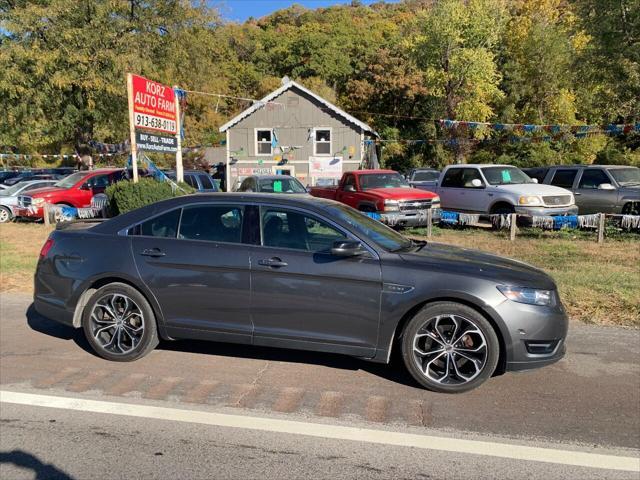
column 293, row 131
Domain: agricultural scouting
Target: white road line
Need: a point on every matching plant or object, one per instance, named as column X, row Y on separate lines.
column 491, row 449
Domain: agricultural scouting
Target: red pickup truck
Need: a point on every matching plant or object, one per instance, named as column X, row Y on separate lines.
column 76, row 190
column 383, row 194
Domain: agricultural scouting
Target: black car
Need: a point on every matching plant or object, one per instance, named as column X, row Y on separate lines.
column 7, row 174
column 596, row 188
column 200, row 180
column 298, row 272
column 271, row 184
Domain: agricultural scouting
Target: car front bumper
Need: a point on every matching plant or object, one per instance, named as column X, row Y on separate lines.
column 536, row 334
column 32, row 212
column 410, row 218
column 547, row 211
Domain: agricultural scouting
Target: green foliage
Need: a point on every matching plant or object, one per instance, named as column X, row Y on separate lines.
column 125, row 196
column 397, row 66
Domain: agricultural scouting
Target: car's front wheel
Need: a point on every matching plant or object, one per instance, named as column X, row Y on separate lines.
column 119, row 323
column 5, row 215
column 449, row 347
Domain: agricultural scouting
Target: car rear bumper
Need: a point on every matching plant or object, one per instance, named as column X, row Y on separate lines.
column 547, row 211
column 53, row 310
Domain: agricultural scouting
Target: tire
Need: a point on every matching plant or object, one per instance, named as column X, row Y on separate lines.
column 134, row 321
column 5, row 215
column 476, row 353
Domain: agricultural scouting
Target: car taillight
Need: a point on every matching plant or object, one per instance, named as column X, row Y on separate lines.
column 46, row 247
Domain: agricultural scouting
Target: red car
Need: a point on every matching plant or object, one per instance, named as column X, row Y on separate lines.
column 76, row 190
column 383, row 194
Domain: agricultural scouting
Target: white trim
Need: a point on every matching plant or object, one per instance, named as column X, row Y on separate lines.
column 284, row 88
column 315, row 142
column 549, row 454
column 255, row 142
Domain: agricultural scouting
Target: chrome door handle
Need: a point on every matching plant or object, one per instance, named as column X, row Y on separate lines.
column 152, row 252
column 274, row 262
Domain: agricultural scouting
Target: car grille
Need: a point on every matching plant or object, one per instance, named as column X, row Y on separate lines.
column 414, row 205
column 557, row 200
column 24, row 201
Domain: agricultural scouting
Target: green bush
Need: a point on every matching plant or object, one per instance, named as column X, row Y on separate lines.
column 125, row 196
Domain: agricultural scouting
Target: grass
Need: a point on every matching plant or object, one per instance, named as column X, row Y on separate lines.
column 598, row 284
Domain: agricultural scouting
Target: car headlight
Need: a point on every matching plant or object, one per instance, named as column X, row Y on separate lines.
column 391, row 206
column 529, row 200
column 38, row 202
column 531, row 296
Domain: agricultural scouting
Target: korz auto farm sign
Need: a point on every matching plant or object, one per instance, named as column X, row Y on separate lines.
column 154, row 106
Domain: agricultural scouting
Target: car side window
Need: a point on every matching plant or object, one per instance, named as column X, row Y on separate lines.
column 191, row 180
column 213, row 223
column 453, row 178
column 564, row 178
column 244, row 185
column 468, row 176
column 350, row 180
column 98, row 181
column 593, row 178
column 165, row 225
column 207, row 184
column 288, row 229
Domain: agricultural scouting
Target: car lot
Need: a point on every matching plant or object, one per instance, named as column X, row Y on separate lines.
column 588, row 401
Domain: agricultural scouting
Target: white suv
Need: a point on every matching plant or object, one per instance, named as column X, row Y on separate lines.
column 500, row 189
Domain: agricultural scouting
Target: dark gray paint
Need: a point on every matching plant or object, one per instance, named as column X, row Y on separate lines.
column 355, row 306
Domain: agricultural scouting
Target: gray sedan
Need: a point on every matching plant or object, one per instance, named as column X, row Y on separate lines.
column 9, row 196
column 298, row 272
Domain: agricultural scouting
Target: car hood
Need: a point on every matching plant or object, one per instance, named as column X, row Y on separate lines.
column 45, row 191
column 533, row 189
column 401, row 193
column 446, row 258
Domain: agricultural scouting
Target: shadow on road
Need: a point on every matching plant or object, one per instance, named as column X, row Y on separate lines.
column 394, row 371
column 54, row 329
column 43, row 471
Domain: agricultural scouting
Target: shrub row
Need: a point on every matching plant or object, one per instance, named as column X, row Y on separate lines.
column 125, row 196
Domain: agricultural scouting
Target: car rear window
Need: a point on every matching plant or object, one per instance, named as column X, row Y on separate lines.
column 165, row 225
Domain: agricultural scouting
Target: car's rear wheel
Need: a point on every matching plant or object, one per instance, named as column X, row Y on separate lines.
column 449, row 347
column 119, row 323
column 5, row 215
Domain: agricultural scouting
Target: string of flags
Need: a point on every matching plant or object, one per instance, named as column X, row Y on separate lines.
column 579, row 131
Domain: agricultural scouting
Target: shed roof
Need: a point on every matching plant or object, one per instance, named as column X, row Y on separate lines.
column 287, row 86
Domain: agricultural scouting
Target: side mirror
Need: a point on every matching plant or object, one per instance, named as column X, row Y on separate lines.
column 476, row 183
column 606, row 186
column 85, row 186
column 347, row 248
column 534, row 180
column 349, row 188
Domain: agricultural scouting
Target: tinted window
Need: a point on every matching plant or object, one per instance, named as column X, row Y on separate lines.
column 453, row 178
column 207, row 184
column 214, row 223
column 564, row 178
column 537, row 173
column 99, row 181
column 593, row 178
column 425, row 176
column 350, row 180
column 468, row 176
column 164, row 225
column 191, row 180
column 287, row 229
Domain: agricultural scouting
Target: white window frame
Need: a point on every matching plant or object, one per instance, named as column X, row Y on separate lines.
column 255, row 142
column 315, row 142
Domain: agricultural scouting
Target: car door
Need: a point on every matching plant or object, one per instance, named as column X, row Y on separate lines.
column 475, row 198
column 451, row 192
column 194, row 262
column 350, row 198
column 593, row 199
column 302, row 296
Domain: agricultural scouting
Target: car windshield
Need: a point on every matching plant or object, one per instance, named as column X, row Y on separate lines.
column 382, row 180
column 626, row 176
column 505, row 176
column 384, row 236
column 12, row 190
column 425, row 176
column 71, row 180
column 280, row 185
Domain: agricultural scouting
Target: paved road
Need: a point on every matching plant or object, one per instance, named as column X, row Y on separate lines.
column 592, row 398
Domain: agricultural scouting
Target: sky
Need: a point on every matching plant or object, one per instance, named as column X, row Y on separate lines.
column 240, row 10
